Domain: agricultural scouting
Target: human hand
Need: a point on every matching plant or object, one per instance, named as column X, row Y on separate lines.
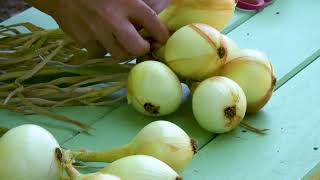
column 109, row 26
column 157, row 5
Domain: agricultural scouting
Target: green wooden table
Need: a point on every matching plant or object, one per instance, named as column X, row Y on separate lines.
column 288, row 32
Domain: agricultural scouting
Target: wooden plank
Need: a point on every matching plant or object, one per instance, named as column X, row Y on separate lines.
column 288, row 151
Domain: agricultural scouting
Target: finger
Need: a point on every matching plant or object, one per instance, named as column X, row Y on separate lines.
column 157, row 5
column 83, row 36
column 148, row 18
column 95, row 49
column 130, row 39
column 105, row 37
column 114, row 48
column 155, row 45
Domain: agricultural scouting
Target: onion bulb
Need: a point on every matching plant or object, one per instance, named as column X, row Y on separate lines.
column 28, row 152
column 160, row 139
column 219, row 104
column 252, row 70
column 197, row 51
column 216, row 13
column 153, row 89
column 141, row 167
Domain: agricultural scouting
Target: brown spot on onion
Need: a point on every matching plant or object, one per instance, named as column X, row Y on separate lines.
column 223, row 45
column 221, row 52
column 178, row 178
column 150, row 108
column 230, row 112
column 194, row 146
column 58, row 154
column 274, row 82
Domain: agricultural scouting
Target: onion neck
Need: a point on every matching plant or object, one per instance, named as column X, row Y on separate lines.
column 102, row 156
column 72, row 172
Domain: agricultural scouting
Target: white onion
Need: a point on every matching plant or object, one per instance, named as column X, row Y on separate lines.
column 28, row 152
column 153, row 89
column 219, row 104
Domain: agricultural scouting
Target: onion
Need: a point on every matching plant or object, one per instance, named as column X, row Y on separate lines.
column 216, row 13
column 254, row 73
column 28, row 152
column 197, row 51
column 153, row 89
column 160, row 139
column 141, row 167
column 218, row 104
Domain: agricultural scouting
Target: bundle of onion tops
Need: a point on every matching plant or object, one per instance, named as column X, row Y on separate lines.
column 43, row 69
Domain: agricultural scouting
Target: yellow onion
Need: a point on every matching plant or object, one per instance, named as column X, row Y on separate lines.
column 160, row 139
column 28, row 152
column 153, row 89
column 253, row 71
column 141, row 167
column 197, row 51
column 216, row 13
column 218, row 104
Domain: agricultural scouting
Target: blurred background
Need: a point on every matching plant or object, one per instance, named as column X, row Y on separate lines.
column 9, row 8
